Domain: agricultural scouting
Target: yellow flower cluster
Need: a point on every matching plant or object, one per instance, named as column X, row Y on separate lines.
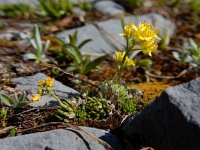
column 35, row 98
column 144, row 34
column 119, row 57
column 49, row 82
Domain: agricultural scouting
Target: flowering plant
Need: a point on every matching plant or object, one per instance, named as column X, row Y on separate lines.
column 142, row 38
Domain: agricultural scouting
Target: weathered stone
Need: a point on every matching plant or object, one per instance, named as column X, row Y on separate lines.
column 30, row 84
column 109, row 7
column 61, row 139
column 111, row 28
column 97, row 46
column 79, row 11
column 171, row 122
column 28, row 2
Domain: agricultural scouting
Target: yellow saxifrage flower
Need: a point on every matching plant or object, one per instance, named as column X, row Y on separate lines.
column 128, row 31
column 129, row 62
column 39, row 90
column 119, row 57
column 149, row 46
column 35, row 98
column 49, row 82
column 145, row 32
column 41, row 83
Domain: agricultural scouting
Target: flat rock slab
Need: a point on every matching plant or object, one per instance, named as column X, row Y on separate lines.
column 61, row 139
column 171, row 122
column 98, row 45
column 112, row 28
column 109, row 7
column 29, row 84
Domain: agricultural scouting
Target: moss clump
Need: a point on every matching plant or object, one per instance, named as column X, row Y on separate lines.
column 150, row 90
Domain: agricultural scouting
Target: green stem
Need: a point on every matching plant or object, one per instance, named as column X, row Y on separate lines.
column 121, row 65
column 57, row 99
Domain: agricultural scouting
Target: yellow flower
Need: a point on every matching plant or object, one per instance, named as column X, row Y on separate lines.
column 49, row 82
column 128, row 31
column 41, row 83
column 35, row 98
column 128, row 62
column 149, row 46
column 119, row 57
column 39, row 90
column 145, row 32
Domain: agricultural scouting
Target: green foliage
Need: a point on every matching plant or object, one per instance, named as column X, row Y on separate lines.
column 145, row 62
column 165, row 40
column 190, row 54
column 3, row 116
column 70, row 54
column 56, row 8
column 173, row 3
column 195, row 5
column 87, row 107
column 15, row 10
column 81, row 63
column 16, row 102
column 136, row 2
column 87, row 6
column 40, row 47
column 111, row 98
column 11, row 132
column 119, row 96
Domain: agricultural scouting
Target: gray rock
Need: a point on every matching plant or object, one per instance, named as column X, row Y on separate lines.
column 61, row 139
column 32, row 3
column 97, row 46
column 29, row 84
column 171, row 122
column 8, row 36
column 109, row 8
column 111, row 28
column 79, row 11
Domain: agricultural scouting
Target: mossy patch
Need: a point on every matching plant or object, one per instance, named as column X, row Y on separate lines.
column 150, row 90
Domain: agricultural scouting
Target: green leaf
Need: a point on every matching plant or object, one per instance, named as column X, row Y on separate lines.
column 21, row 104
column 5, row 99
column 50, row 8
column 75, row 53
column 29, row 56
column 22, row 97
column 37, row 38
column 93, row 64
column 145, row 62
column 193, row 44
column 84, row 42
column 123, row 23
column 46, row 46
column 72, row 68
column 176, row 56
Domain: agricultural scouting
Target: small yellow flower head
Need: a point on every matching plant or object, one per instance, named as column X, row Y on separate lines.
column 129, row 62
column 145, row 32
column 119, row 56
column 149, row 46
column 49, row 82
column 128, row 31
column 39, row 90
column 35, row 98
column 41, row 83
